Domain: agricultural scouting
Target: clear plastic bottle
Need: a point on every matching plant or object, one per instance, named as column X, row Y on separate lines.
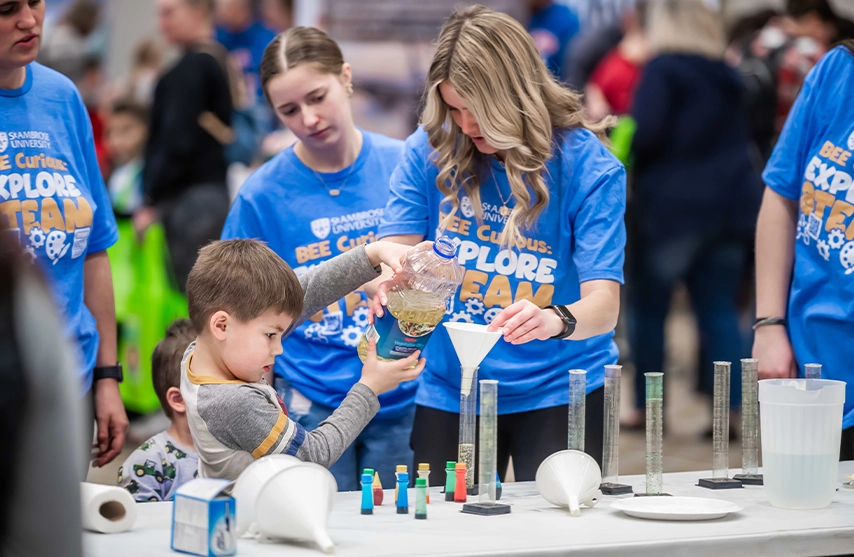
column 417, row 301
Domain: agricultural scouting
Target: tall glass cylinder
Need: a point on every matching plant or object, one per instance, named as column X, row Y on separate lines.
column 468, row 414
column 488, row 440
column 749, row 416
column 654, row 431
column 812, row 371
column 577, row 400
column 720, row 421
column 611, row 445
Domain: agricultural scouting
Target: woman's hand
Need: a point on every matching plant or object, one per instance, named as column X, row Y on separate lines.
column 772, row 348
column 523, row 322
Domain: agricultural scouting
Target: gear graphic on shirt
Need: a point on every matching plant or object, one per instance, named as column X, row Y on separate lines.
column 351, row 336
column 823, row 250
column 315, row 331
column 491, row 314
column 461, row 317
column 31, row 253
column 846, row 257
column 360, row 316
column 37, row 237
column 802, row 226
column 836, row 238
column 475, row 306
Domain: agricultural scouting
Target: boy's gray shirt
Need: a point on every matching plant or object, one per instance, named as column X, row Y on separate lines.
column 235, row 422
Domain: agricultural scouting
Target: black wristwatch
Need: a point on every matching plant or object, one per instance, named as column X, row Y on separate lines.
column 568, row 319
column 109, row 372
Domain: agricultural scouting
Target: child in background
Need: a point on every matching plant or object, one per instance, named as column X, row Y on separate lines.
column 127, row 130
column 160, row 465
column 243, row 300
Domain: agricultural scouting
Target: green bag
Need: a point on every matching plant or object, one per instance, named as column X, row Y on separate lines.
column 621, row 140
column 146, row 303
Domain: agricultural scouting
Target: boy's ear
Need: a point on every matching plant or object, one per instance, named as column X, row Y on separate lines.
column 218, row 324
column 175, row 400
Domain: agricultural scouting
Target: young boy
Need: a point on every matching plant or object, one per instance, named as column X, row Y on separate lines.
column 160, row 465
column 243, row 300
column 127, row 130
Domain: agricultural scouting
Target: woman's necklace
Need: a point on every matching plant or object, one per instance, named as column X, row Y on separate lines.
column 504, row 211
column 335, row 192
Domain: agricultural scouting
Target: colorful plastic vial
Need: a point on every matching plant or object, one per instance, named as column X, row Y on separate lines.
column 367, row 496
column 450, row 479
column 378, row 490
column 421, row 498
column 460, row 487
column 424, row 472
column 402, row 496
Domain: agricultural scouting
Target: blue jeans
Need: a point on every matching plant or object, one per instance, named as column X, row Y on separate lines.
column 383, row 444
column 712, row 267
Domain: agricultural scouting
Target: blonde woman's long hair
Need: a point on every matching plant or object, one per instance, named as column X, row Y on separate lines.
column 686, row 27
column 491, row 62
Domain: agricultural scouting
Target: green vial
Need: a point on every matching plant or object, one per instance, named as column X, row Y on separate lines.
column 450, row 479
column 421, row 498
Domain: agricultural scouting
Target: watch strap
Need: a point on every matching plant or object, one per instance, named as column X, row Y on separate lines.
column 109, row 372
column 568, row 319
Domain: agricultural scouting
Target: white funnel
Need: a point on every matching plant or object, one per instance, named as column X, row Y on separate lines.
column 570, row 479
column 472, row 343
column 295, row 505
column 250, row 484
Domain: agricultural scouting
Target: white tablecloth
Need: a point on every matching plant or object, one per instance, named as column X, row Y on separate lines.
column 535, row 528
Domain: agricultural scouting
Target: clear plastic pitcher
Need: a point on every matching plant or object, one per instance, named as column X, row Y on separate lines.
column 801, row 432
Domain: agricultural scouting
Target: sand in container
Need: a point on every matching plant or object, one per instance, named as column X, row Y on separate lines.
column 749, row 423
column 611, row 443
column 720, row 432
column 487, row 490
column 577, row 408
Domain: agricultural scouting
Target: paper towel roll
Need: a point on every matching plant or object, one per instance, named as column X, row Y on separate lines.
column 107, row 509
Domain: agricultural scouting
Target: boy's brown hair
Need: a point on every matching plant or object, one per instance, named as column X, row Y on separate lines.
column 244, row 278
column 166, row 359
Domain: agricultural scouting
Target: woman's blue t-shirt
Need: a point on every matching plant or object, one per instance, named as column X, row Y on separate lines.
column 813, row 164
column 284, row 204
column 580, row 236
column 52, row 195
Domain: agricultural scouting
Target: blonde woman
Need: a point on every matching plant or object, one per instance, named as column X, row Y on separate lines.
column 507, row 165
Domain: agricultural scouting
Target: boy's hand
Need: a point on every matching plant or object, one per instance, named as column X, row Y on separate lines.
column 389, row 253
column 382, row 377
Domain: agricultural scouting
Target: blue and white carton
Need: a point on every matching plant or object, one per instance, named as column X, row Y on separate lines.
column 203, row 519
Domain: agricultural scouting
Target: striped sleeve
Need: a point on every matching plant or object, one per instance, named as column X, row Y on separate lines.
column 246, row 417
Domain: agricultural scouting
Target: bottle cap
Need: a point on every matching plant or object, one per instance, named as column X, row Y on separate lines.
column 421, row 482
column 403, row 477
column 450, row 465
column 368, row 471
column 367, row 478
column 401, row 468
column 424, row 466
column 461, row 466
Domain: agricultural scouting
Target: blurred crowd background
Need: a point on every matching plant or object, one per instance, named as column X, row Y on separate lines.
column 116, row 51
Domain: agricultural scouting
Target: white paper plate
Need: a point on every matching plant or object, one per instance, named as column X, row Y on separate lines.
column 675, row 508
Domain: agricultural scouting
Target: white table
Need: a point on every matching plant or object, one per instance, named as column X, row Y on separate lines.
column 535, row 528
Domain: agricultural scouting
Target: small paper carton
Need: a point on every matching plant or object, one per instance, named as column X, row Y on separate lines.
column 203, row 519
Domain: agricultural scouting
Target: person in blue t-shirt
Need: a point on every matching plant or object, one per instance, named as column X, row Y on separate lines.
column 53, row 201
column 240, row 32
column 805, row 237
column 311, row 202
column 552, row 26
column 506, row 163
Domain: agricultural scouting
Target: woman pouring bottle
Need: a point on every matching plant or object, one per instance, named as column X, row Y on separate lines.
column 506, row 164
